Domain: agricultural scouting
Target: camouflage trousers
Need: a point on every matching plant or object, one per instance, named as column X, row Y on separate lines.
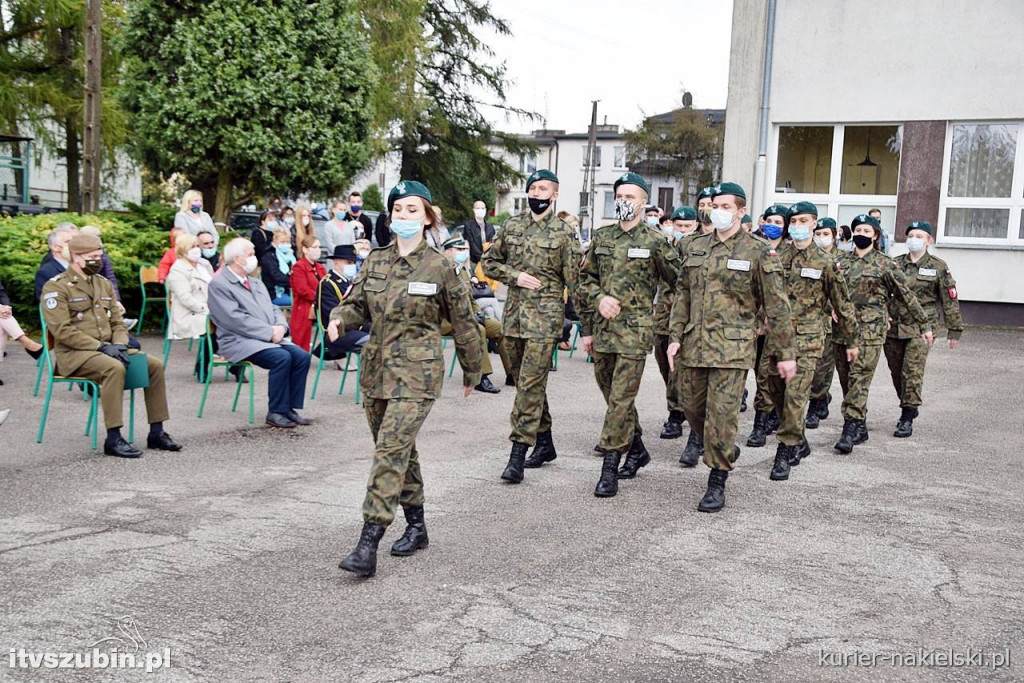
column 530, row 363
column 618, row 376
column 856, row 379
column 790, row 400
column 762, row 397
column 711, row 401
column 395, row 474
column 670, row 378
column 906, row 358
column 824, row 370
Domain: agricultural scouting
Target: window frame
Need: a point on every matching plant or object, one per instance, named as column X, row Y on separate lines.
column 623, row 166
column 583, row 157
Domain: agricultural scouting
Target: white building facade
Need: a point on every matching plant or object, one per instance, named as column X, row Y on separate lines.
column 913, row 108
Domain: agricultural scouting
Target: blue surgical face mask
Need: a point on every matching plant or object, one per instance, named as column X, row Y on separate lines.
column 349, row 271
column 915, row 245
column 678, row 235
column 799, row 233
column 771, row 231
column 461, row 256
column 339, row 215
column 271, row 225
column 406, row 228
column 209, row 253
column 284, row 248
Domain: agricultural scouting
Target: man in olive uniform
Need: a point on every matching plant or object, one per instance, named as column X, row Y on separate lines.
column 537, row 256
column 906, row 353
column 725, row 279
column 815, row 285
column 615, row 299
column 91, row 341
column 457, row 249
column 817, row 408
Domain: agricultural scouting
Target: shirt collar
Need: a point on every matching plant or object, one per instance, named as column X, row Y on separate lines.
column 414, row 257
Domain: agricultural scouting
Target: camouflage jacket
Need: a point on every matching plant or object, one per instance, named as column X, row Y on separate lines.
column 665, row 296
column 406, row 298
column 82, row 315
column 873, row 279
column 627, row 265
column 550, row 252
column 719, row 291
column 816, row 286
column 933, row 285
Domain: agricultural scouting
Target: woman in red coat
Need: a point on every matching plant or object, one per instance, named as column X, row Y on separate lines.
column 306, row 275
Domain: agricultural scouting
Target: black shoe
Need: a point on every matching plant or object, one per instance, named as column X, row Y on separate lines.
column 673, row 428
column 280, row 420
column 37, row 354
column 735, row 453
column 415, row 536
column 121, row 449
column 162, row 442
column 780, row 470
column 905, row 425
column 363, row 560
column 714, row 499
column 509, row 382
column 774, row 422
column 486, row 386
column 239, row 374
column 802, row 451
column 862, row 432
column 758, row 436
column 812, row 420
column 514, row 469
column 693, row 450
column 743, row 402
column 823, row 406
column 298, row 419
column 608, row 484
column 845, row 443
column 543, row 451
column 636, row 458
column 598, row 450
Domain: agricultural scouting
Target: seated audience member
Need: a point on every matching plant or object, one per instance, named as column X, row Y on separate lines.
column 96, row 346
column 208, row 245
column 330, row 293
column 262, row 236
column 57, row 259
column 188, row 285
column 9, row 327
column 169, row 257
column 363, row 248
column 567, row 323
column 277, row 267
column 305, row 278
column 250, row 328
column 485, row 298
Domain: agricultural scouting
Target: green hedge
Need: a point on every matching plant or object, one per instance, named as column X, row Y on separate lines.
column 129, row 240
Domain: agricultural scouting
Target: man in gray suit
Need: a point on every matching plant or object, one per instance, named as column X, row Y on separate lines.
column 250, row 328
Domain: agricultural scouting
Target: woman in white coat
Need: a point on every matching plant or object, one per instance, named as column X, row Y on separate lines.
column 188, row 284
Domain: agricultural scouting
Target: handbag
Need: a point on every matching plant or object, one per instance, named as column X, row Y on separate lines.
column 481, row 291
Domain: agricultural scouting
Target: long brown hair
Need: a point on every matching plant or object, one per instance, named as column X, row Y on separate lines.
column 429, row 217
column 300, row 229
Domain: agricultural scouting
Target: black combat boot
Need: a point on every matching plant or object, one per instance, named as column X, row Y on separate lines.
column 363, row 560
column 823, row 406
column 673, row 428
column 743, row 402
column 905, row 425
column 845, row 443
column 802, row 451
column 862, row 432
column 773, row 423
column 635, row 459
column 415, row 536
column 543, row 451
column 608, row 484
column 694, row 449
column 714, row 499
column 759, row 434
column 812, row 420
column 514, row 469
column 780, row 470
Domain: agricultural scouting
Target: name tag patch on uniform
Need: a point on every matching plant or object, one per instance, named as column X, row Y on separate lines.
column 639, row 253
column 77, row 299
column 423, row 288
column 736, row 264
column 929, row 272
column 812, row 273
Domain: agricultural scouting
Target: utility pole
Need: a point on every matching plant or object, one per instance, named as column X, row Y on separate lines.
column 93, row 98
column 588, row 176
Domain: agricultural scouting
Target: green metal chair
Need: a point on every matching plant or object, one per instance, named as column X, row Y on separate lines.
column 319, row 338
column 247, row 370
column 577, row 327
column 149, row 275
column 359, row 373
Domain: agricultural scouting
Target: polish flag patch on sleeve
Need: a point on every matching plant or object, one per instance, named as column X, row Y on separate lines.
column 952, row 293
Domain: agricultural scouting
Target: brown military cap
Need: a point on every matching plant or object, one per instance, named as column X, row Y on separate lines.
column 83, row 244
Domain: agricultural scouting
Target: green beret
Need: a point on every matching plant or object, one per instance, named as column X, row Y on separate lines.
column 728, row 188
column 921, row 225
column 541, row 174
column 802, row 207
column 776, row 210
column 706, row 193
column 826, row 223
column 408, row 188
column 746, row 219
column 868, row 219
column 633, row 179
column 649, row 208
column 684, row 213
column 456, row 241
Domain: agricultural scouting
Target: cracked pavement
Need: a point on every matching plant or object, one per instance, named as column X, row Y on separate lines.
column 227, row 552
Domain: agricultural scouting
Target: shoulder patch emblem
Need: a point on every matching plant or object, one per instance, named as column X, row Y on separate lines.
column 51, row 303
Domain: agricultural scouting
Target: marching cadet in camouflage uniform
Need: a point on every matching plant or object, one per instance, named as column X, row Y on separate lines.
column 405, row 290
column 619, row 278
column 931, row 282
column 873, row 279
column 814, row 284
column 91, row 341
column 537, row 256
column 704, row 209
column 725, row 279
column 774, row 223
column 817, row 407
column 683, row 222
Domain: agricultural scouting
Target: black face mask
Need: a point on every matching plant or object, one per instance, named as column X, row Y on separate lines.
column 92, row 266
column 862, row 241
column 705, row 216
column 538, row 206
